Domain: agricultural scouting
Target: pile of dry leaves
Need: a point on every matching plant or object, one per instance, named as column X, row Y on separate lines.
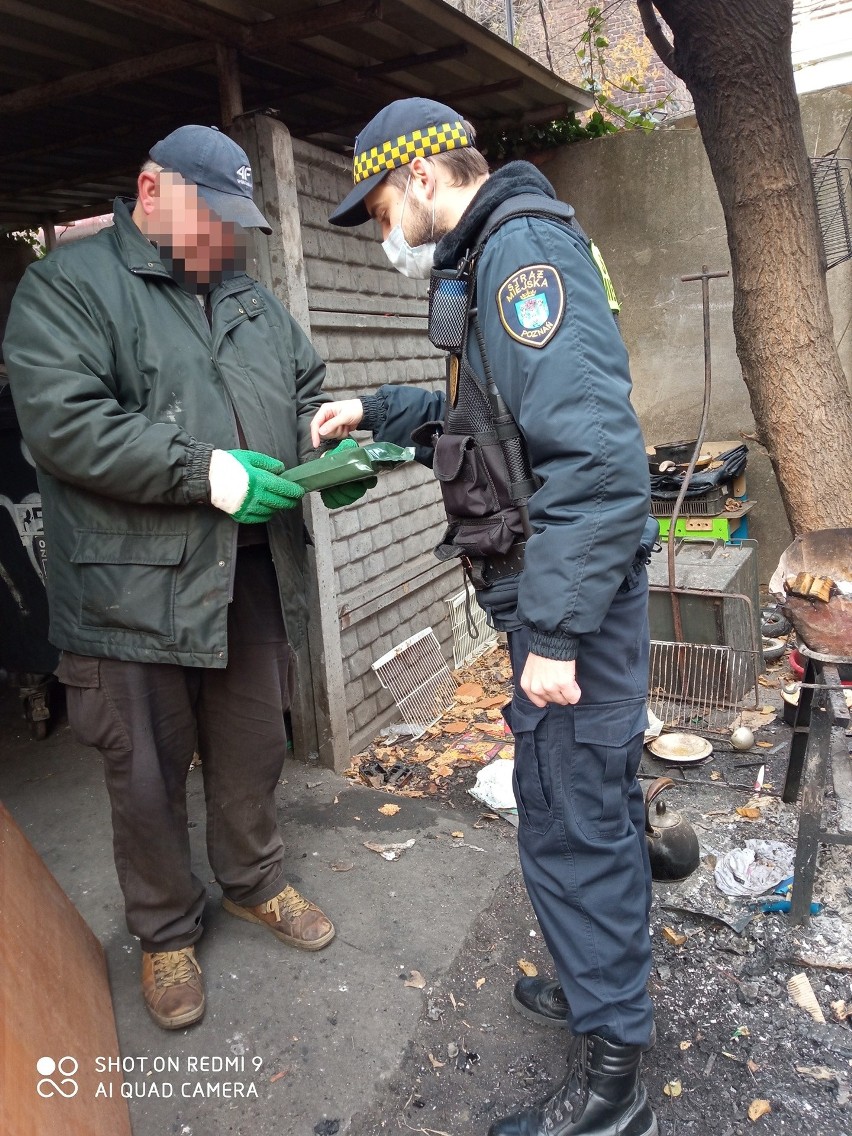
column 469, row 734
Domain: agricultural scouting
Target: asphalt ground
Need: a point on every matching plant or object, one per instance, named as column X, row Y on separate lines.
column 405, row 1022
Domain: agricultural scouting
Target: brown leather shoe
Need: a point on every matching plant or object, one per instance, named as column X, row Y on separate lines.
column 294, row 919
column 173, row 988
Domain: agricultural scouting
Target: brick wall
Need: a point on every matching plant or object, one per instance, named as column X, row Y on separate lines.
column 369, row 323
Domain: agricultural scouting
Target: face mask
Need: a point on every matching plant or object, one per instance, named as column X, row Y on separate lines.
column 413, row 262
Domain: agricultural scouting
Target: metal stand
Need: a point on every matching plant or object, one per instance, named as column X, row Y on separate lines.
column 819, row 744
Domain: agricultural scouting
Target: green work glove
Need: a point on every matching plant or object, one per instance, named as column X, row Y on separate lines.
column 337, row 496
column 267, row 490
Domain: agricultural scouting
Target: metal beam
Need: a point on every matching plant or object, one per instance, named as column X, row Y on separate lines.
column 87, row 82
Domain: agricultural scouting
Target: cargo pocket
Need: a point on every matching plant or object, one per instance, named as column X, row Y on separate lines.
column 601, row 765
column 92, row 714
column 128, row 581
column 531, row 779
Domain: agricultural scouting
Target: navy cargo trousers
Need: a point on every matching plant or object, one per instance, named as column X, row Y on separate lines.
column 581, row 821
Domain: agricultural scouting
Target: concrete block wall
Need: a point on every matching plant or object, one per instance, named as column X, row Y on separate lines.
column 650, row 203
column 369, row 323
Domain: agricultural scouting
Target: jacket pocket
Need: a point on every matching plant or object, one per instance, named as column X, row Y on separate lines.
column 531, row 780
column 128, row 580
column 604, row 764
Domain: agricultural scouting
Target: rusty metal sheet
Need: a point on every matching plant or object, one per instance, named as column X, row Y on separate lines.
column 825, row 628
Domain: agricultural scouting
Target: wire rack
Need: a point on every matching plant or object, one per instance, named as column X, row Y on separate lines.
column 701, row 686
column 466, row 646
column 419, row 680
column 833, row 188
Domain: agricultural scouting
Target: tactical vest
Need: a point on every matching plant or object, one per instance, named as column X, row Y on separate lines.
column 481, row 459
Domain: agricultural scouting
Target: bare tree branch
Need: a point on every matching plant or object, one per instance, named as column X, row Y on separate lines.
column 656, row 35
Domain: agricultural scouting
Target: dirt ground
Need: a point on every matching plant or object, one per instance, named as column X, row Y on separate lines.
column 734, row 1054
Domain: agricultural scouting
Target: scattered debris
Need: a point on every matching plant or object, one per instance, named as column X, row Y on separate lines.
column 758, row 1108
column 676, row 938
column 840, row 1010
column 818, row 1072
column 529, row 968
column 327, row 1128
column 755, row 868
column 802, row 994
column 416, row 980
column 389, row 851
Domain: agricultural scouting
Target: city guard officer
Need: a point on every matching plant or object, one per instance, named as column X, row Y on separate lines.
column 545, row 482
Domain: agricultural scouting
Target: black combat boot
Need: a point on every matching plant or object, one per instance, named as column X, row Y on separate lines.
column 543, row 1001
column 601, row 1095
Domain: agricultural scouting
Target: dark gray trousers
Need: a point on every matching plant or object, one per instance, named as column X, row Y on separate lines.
column 147, row 719
column 581, row 832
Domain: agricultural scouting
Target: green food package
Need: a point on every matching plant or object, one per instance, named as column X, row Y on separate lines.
column 354, row 464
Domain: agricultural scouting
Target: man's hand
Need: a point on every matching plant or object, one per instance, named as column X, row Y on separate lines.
column 547, row 681
column 336, row 420
column 249, row 487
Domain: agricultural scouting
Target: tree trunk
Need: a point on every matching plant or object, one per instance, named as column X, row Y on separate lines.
column 734, row 56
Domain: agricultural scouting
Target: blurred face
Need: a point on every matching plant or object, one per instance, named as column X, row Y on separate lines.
column 172, row 213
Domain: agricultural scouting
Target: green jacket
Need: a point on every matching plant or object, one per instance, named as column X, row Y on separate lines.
column 123, row 389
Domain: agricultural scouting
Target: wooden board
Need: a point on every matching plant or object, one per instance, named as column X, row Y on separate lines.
column 56, row 1015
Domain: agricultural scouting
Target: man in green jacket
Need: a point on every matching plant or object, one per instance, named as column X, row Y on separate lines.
column 163, row 393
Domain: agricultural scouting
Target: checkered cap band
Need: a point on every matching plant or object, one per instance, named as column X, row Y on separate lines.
column 418, row 144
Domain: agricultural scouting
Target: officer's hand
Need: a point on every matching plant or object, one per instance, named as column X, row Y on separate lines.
column 249, row 486
column 547, row 681
column 336, row 420
column 336, row 496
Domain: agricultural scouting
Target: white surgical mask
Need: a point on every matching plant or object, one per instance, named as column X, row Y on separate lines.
column 414, row 262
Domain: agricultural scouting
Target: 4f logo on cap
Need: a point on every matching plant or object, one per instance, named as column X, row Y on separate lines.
column 244, row 177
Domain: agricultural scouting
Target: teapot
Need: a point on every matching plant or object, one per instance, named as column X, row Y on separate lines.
column 671, row 840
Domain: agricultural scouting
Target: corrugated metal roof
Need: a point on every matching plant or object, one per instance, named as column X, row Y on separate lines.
column 86, row 89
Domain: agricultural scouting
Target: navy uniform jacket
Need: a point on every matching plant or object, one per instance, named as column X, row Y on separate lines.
column 561, row 366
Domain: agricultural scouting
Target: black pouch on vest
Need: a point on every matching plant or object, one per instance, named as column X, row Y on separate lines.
column 482, row 520
column 448, row 307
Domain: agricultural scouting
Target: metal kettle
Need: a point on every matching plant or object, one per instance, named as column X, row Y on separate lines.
column 671, row 840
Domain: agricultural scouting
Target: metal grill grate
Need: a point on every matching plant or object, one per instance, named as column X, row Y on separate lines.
column 700, row 686
column 465, row 646
column 833, row 188
column 418, row 678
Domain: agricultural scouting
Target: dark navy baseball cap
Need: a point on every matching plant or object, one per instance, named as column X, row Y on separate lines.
column 407, row 129
column 217, row 167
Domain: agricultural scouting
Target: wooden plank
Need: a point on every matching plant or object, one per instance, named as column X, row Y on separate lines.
column 180, row 16
column 262, row 39
column 230, row 88
column 407, row 62
column 319, row 710
column 87, row 82
column 55, row 1006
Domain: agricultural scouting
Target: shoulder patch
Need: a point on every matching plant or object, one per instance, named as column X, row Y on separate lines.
column 531, row 304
